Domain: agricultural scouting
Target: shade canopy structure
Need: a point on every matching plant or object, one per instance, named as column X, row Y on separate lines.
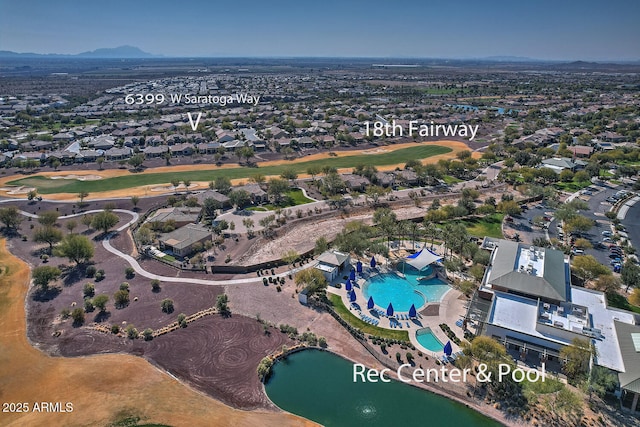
column 359, row 267
column 422, row 258
column 390, row 310
column 370, row 303
column 352, row 296
column 348, row 286
column 412, row 311
column 372, row 263
column 352, row 275
column 447, row 348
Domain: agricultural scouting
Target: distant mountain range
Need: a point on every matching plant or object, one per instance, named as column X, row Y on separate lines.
column 104, row 53
column 132, row 52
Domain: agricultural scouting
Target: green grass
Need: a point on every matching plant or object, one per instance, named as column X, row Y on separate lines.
column 365, row 327
column 49, row 186
column 571, row 187
column 618, row 301
column 293, row 197
column 451, row 179
column 490, row 226
column 169, row 258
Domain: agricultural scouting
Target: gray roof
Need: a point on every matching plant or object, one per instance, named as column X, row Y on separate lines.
column 215, row 195
column 186, row 236
column 504, row 272
column 630, row 378
column 333, row 258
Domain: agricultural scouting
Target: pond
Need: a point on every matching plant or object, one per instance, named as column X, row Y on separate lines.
column 319, row 385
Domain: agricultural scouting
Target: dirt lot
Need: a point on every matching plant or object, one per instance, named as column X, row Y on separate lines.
column 102, row 388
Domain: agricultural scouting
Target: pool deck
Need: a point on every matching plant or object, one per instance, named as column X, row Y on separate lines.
column 451, row 308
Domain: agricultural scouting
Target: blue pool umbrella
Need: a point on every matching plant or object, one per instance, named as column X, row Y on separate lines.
column 447, row 348
column 348, row 286
column 352, row 296
column 390, row 310
column 359, row 267
column 373, row 262
column 370, row 303
column 352, row 275
column 412, row 311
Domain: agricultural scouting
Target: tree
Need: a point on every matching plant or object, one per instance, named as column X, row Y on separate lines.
column 321, row 245
column 210, row 208
column 134, row 201
column 314, row 171
column 374, row 192
column 76, row 248
column 333, row 184
column 121, row 298
column 222, row 184
column 71, row 225
column 608, row 284
column 132, row 332
column 10, row 217
column 578, row 223
column 257, row 178
column 155, row 285
column 167, row 305
column 48, row 234
column 246, row 152
column 577, row 355
column 104, row 221
column 136, row 161
column 239, row 198
column 509, row 207
column 147, row 334
column 82, row 195
column 100, row 302
column 583, row 243
column 86, row 221
column 49, row 218
column 88, row 290
column 222, row 304
column 289, row 174
column 78, row 316
column 277, row 187
column 588, row 268
column 290, row 256
column 43, row 275
column 312, row 279
column 630, row 275
column 248, row 224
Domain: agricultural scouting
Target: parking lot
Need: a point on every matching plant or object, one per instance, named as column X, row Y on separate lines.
column 599, row 199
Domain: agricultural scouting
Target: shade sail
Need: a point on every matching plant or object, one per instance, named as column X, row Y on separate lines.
column 348, row 286
column 423, row 258
column 359, row 267
column 370, row 303
column 390, row 310
column 352, row 275
column 373, row 262
column 447, row 348
column 352, row 296
column 412, row 311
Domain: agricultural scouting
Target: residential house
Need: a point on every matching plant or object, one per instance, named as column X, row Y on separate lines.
column 118, row 153
column 257, row 194
column 355, row 182
column 215, row 195
column 180, row 216
column 181, row 242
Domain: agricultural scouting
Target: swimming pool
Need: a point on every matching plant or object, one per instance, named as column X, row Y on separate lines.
column 402, row 292
column 428, row 340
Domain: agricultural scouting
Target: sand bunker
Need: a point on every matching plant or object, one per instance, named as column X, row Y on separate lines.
column 78, row 177
column 166, row 188
column 376, row 151
column 17, row 190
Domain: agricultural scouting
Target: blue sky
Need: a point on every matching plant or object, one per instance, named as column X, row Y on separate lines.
column 543, row 29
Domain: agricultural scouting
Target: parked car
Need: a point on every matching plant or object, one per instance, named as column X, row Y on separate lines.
column 607, row 240
column 578, row 251
column 606, row 233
